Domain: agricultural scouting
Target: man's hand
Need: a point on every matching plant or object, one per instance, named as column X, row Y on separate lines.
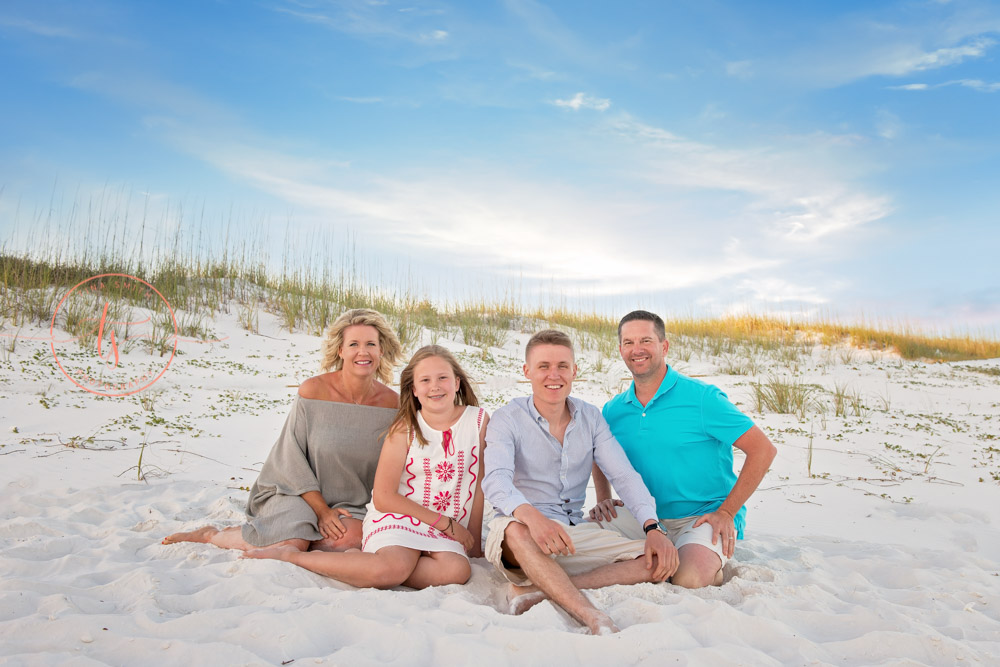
column 550, row 536
column 723, row 528
column 605, row 510
column 330, row 524
column 667, row 560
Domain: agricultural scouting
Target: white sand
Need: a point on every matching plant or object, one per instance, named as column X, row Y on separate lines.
column 831, row 571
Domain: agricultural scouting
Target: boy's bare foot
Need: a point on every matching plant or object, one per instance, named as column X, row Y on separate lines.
column 203, row 535
column 599, row 623
column 522, row 598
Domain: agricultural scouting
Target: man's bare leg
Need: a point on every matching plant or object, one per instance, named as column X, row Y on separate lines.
column 551, row 579
column 700, row 567
column 389, row 567
column 227, row 538
column 522, row 598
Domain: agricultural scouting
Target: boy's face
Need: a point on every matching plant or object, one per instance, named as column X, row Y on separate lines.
column 551, row 370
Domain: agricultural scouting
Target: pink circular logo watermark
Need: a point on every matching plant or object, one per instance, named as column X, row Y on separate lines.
column 108, row 317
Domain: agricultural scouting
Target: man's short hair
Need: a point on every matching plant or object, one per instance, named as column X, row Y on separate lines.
column 548, row 337
column 645, row 316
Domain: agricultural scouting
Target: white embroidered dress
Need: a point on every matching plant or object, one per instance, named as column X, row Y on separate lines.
column 442, row 477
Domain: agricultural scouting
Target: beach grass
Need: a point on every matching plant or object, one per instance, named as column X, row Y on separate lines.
column 308, row 291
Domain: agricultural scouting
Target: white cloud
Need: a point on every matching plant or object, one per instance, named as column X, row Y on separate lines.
column 975, row 84
column 741, row 69
column 887, row 124
column 581, row 101
column 36, row 28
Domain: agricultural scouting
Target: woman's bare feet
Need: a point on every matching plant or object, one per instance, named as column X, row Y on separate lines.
column 203, row 535
column 522, row 598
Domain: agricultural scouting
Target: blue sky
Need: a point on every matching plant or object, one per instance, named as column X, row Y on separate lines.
column 831, row 158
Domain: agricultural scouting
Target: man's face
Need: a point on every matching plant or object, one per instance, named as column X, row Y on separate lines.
column 551, row 371
column 641, row 350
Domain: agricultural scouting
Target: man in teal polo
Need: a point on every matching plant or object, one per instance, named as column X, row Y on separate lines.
column 679, row 435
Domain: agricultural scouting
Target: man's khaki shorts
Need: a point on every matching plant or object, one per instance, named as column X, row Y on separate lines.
column 621, row 539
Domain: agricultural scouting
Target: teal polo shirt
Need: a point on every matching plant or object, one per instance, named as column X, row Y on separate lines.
column 681, row 443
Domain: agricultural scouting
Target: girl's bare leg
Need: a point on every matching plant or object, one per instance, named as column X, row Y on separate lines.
column 389, row 567
column 227, row 538
column 439, row 568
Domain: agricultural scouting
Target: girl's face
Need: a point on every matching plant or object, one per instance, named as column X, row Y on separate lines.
column 361, row 350
column 434, row 384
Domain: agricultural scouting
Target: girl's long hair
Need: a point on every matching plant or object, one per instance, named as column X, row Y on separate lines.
column 406, row 418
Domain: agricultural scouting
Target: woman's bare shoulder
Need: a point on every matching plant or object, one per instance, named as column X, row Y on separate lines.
column 317, row 387
column 386, row 397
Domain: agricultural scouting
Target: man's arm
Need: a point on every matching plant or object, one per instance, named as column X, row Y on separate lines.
column 759, row 455
column 604, row 510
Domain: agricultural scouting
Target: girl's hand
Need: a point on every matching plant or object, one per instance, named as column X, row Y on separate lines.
column 462, row 534
column 330, row 524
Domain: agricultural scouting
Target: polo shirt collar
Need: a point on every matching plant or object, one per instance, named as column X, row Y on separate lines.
column 668, row 383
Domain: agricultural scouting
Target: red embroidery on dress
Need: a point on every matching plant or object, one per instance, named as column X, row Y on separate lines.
column 479, row 420
column 442, row 500
column 427, row 482
column 448, row 443
column 413, row 476
column 458, row 485
column 444, row 471
column 430, row 533
column 397, row 517
column 473, row 466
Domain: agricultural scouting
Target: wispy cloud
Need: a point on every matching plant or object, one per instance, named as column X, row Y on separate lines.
column 37, row 28
column 975, row 84
column 582, row 101
column 740, row 69
column 369, row 19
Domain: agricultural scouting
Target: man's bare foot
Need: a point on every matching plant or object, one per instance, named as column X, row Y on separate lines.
column 599, row 623
column 272, row 552
column 522, row 598
column 203, row 535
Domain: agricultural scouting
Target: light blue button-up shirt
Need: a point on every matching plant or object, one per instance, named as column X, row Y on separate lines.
column 525, row 464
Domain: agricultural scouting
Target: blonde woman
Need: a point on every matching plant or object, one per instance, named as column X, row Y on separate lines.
column 315, row 483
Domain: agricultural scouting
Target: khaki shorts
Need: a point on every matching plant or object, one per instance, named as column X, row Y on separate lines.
column 682, row 532
column 596, row 545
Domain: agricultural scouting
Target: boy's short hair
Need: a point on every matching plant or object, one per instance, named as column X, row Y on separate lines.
column 548, row 337
column 645, row 316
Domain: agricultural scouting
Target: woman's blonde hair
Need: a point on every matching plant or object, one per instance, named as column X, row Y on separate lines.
column 406, row 418
column 387, row 341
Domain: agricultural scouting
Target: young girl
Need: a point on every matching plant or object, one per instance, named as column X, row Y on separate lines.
column 426, row 512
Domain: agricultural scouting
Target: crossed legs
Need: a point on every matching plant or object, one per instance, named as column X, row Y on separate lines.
column 550, row 580
column 386, row 568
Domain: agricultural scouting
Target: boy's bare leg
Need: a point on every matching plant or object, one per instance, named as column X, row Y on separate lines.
column 623, row 572
column 549, row 578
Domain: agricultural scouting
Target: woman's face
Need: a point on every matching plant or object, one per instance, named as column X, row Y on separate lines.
column 361, row 351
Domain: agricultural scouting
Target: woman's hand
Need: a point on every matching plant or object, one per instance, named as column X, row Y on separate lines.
column 330, row 525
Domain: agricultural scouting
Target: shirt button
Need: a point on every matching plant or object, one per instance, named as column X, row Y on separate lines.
column 643, row 414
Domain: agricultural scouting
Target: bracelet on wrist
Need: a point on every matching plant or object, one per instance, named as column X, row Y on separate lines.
column 434, row 525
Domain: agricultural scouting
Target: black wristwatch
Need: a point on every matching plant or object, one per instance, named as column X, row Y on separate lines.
column 653, row 526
